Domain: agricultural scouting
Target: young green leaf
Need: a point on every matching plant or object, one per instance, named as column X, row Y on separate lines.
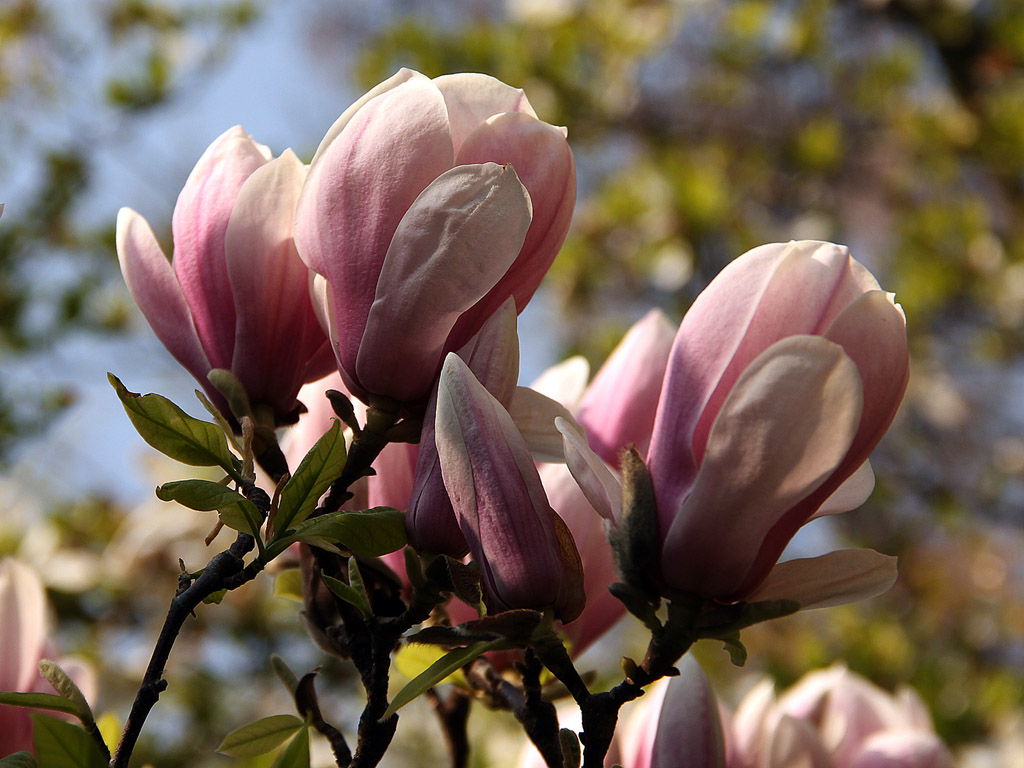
column 218, row 417
column 370, row 533
column 296, row 754
column 349, row 594
column 19, row 760
column 314, row 475
column 437, row 672
column 174, row 433
column 39, row 701
column 62, row 745
column 284, row 673
column 236, row 511
column 260, row 737
column 66, row 687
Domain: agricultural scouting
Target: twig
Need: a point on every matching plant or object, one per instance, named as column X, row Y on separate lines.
column 453, row 713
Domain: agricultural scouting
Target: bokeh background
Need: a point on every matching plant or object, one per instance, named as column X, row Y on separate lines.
column 701, row 128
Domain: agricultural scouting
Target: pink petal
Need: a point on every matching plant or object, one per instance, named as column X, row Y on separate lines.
column 903, row 748
column 534, row 415
column 596, row 479
column 401, row 76
column 472, row 98
column 840, row 577
column 544, row 164
column 199, row 223
column 565, row 381
column 854, row 491
column 587, row 528
column 794, row 742
column 154, row 286
column 619, row 406
column 360, row 188
column 455, row 242
column 689, row 731
column 276, row 329
column 785, row 427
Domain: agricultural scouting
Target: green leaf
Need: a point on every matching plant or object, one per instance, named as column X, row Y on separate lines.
column 235, row 511
column 296, row 755
column 414, row 659
column 288, row 584
column 571, row 752
column 233, row 391
column 219, row 418
column 349, row 594
column 314, row 475
column 39, row 701
column 60, row 744
column 215, row 598
column 284, row 674
column 66, row 687
column 437, row 672
column 260, row 737
column 370, row 533
column 174, row 433
column 19, row 760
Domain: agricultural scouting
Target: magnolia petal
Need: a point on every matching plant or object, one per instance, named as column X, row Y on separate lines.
column 840, row 577
column 23, row 630
column 565, row 381
column 534, row 415
column 794, row 742
column 493, row 353
column 873, row 332
column 619, row 406
column 749, row 724
column 199, row 223
column 544, row 164
column 854, row 491
column 902, row 748
column 154, row 286
column 359, row 189
column 401, row 76
column 434, row 272
column 689, row 731
column 276, row 328
column 471, row 98
column 595, row 478
column 587, row 529
column 496, row 493
column 785, row 427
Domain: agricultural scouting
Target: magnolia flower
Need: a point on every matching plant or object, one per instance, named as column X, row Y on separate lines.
column 236, row 296
column 24, row 642
column 784, row 375
column 428, row 204
column 834, row 718
column 526, row 554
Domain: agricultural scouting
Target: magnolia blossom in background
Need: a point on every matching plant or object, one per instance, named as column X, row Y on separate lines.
column 427, row 205
column 525, row 552
column 24, row 642
column 834, row 718
column 236, row 296
column 784, row 375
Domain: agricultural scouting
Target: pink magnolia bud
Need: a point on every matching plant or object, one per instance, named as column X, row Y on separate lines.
column 675, row 725
column 237, row 294
column 493, row 357
column 428, row 204
column 526, row 555
column 785, row 373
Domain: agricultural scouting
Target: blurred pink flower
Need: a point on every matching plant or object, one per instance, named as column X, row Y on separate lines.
column 24, row 642
column 237, row 295
column 834, row 718
column 428, row 204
